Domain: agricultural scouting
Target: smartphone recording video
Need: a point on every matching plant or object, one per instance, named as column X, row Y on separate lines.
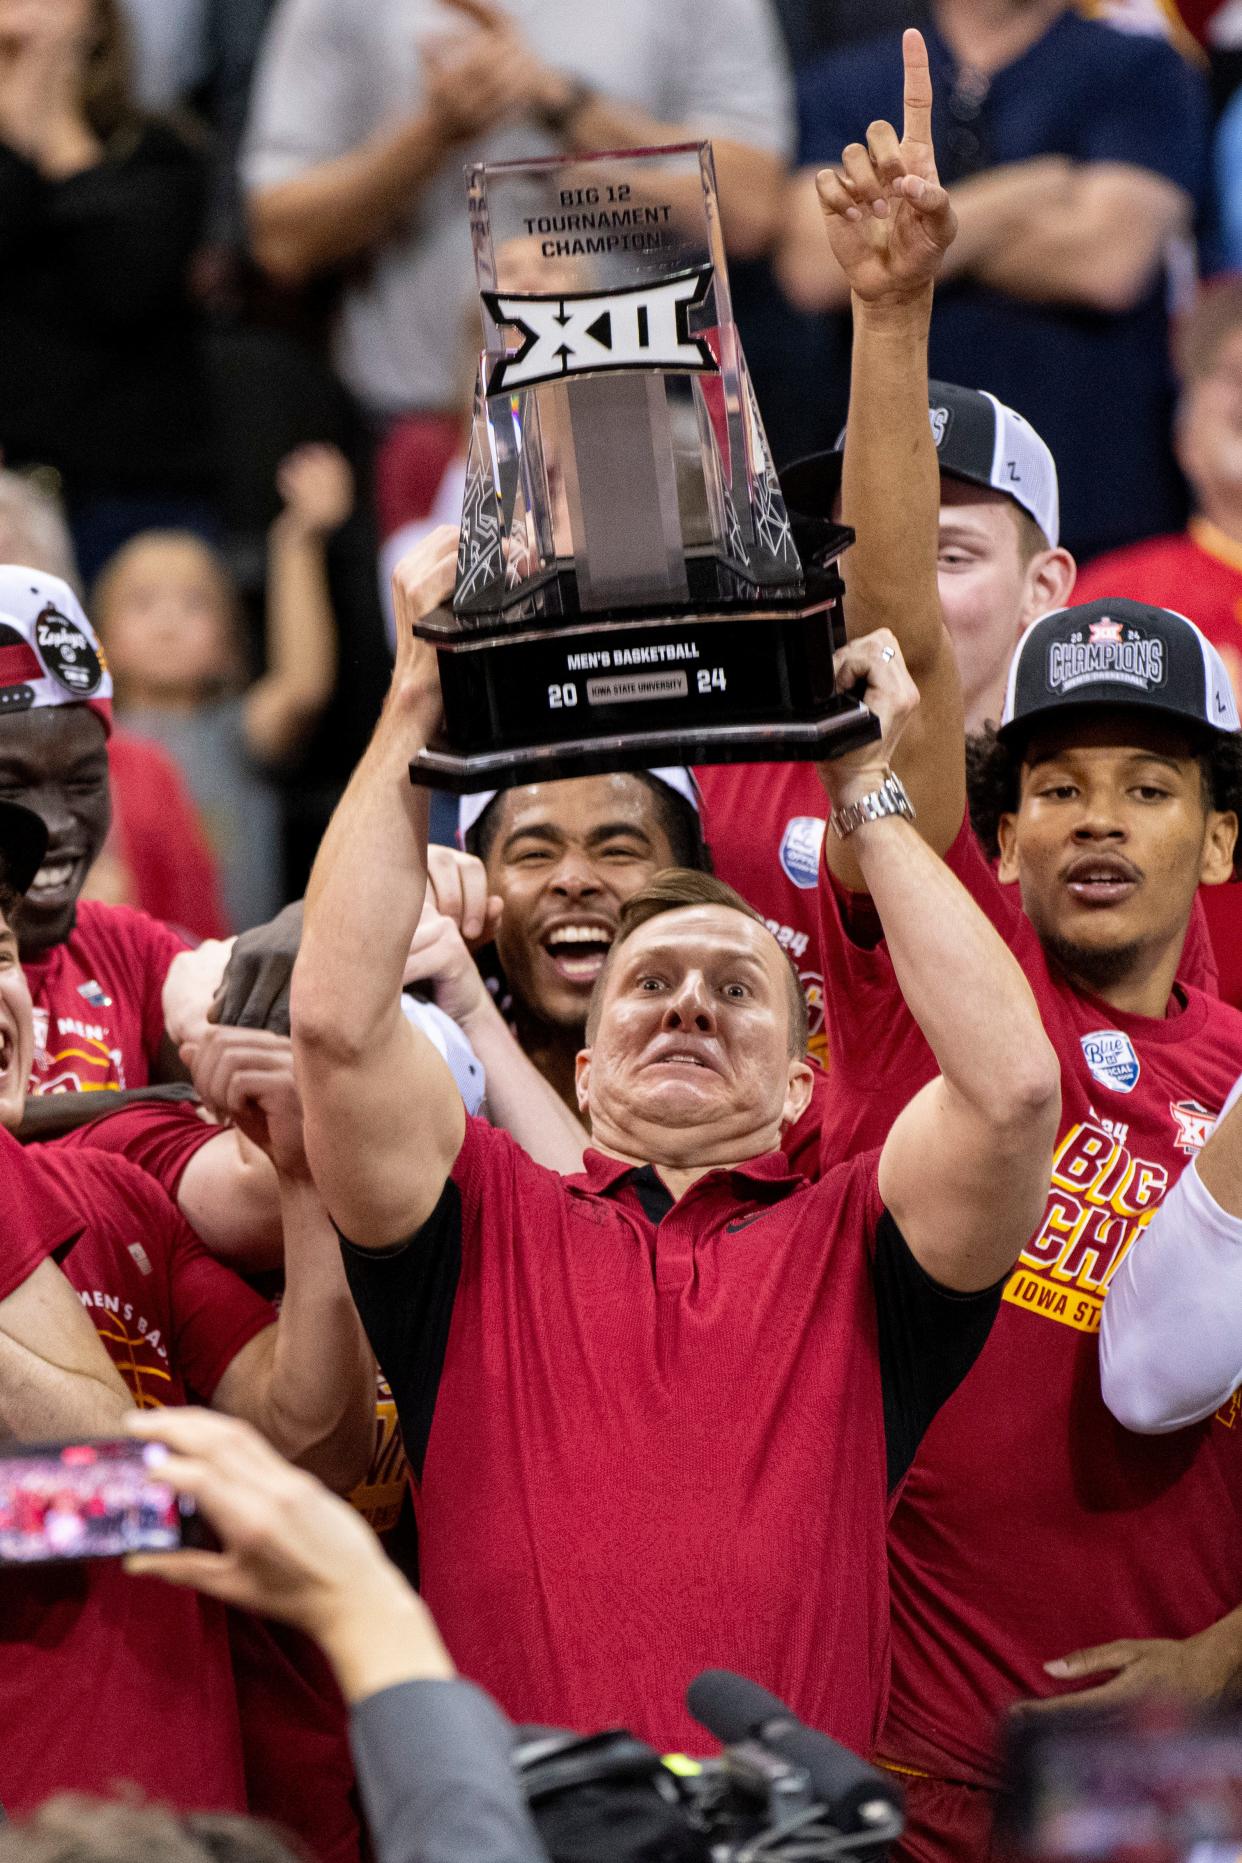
column 98, row 1500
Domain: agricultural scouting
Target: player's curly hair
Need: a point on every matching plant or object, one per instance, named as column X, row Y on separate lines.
column 994, row 772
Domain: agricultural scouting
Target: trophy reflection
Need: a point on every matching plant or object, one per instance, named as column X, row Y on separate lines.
column 630, row 589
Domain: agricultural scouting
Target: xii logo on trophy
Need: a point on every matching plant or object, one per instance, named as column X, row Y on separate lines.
column 638, row 327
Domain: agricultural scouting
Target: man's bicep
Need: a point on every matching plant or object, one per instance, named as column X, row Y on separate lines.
column 1147, row 207
column 383, row 1130
column 965, row 1194
column 46, row 1319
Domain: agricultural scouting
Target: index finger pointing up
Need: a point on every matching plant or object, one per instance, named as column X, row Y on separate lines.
column 916, row 125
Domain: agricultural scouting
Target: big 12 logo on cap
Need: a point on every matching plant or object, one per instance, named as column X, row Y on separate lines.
column 1111, row 1059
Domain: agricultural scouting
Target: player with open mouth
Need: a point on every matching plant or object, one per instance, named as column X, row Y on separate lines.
column 564, row 857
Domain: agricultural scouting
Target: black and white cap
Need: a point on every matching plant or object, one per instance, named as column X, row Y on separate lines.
column 1117, row 653
column 977, row 438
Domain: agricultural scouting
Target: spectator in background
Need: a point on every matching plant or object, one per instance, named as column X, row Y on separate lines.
column 1197, row 571
column 156, row 855
column 168, row 615
column 365, row 110
column 100, row 211
column 1074, row 154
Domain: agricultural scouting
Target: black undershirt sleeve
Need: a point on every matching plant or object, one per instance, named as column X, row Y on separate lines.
column 404, row 1296
column 930, row 1337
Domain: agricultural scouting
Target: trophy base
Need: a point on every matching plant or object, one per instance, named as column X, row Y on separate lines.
column 794, row 741
column 632, row 694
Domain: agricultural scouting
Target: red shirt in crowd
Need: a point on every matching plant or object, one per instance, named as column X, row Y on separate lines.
column 108, row 1677
column 163, row 844
column 159, row 1136
column 98, row 1014
column 764, row 824
column 653, row 1437
column 35, row 1225
column 1198, row 573
column 1031, row 1524
column 293, row 1721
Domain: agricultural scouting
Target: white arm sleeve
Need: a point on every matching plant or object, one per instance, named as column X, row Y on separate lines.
column 1171, row 1336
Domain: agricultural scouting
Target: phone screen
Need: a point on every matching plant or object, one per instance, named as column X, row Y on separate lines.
column 91, row 1500
column 1147, row 1783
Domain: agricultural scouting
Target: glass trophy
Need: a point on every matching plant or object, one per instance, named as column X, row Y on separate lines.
column 630, row 588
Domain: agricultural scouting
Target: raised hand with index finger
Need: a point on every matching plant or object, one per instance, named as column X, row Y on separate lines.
column 889, row 221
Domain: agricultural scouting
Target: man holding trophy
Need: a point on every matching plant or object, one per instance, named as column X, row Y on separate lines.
column 655, row 1411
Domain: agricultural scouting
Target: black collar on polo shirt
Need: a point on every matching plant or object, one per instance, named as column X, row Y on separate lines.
column 765, row 1179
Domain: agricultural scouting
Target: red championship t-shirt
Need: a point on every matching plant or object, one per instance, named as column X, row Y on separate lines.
column 764, row 824
column 159, row 1136
column 651, row 1438
column 293, row 1720
column 98, row 1017
column 36, row 1224
column 1031, row 1524
column 106, row 1678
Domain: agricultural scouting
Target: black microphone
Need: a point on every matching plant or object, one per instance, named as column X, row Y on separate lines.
column 855, row 1795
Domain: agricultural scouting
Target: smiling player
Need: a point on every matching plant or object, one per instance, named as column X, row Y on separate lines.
column 563, row 858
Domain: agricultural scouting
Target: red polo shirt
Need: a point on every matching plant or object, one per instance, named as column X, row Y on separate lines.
column 652, row 1437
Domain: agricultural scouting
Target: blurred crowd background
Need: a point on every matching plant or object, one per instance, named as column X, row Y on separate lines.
column 237, row 331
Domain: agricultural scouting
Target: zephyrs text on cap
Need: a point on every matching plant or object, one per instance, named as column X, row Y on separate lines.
column 1118, row 653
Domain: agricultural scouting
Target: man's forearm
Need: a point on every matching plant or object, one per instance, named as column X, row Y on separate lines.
column 891, row 495
column 301, row 642
column 368, row 885
column 749, row 179
column 890, row 482
column 56, row 1378
column 961, row 984
column 321, row 1397
column 1098, row 244
column 519, row 1098
column 190, row 985
column 341, row 209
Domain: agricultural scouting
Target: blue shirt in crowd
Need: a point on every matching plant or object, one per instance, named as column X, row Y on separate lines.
column 1098, row 386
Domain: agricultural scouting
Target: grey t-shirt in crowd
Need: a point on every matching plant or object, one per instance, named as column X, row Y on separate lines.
column 239, row 808
column 333, row 73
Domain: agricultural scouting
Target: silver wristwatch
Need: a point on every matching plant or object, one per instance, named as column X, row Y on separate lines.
column 889, row 799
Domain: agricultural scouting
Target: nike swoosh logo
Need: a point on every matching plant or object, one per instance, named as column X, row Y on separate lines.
column 743, row 1222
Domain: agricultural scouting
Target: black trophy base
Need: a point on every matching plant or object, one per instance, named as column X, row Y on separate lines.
column 582, row 701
